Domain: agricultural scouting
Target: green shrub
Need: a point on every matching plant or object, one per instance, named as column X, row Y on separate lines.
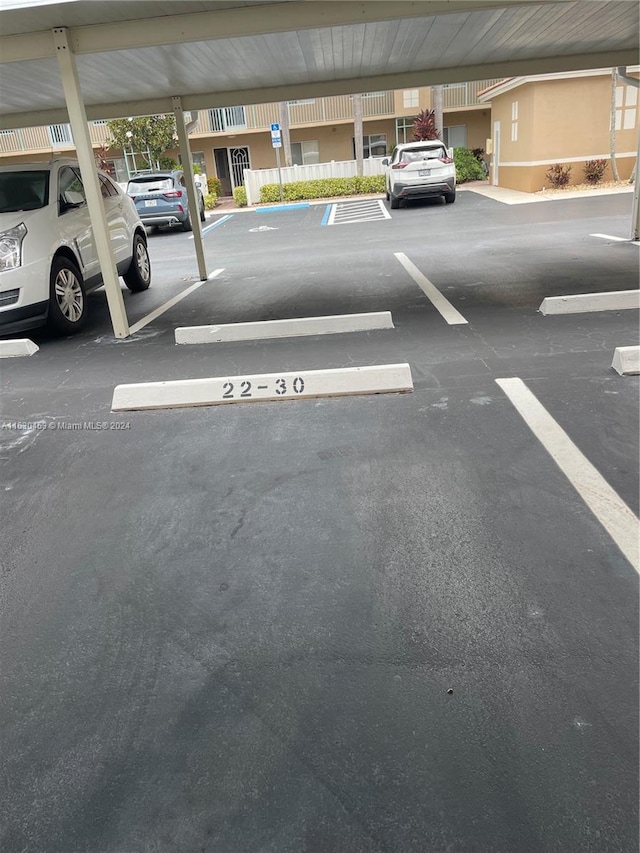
column 594, row 171
column 322, row 188
column 214, row 186
column 467, row 166
column 210, row 201
column 558, row 175
column 240, row 196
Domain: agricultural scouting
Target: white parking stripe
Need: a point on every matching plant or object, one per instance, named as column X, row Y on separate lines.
column 616, row 239
column 332, row 215
column 439, row 302
column 607, row 506
column 384, row 210
column 158, row 311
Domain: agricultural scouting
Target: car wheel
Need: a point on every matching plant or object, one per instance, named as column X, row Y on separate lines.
column 186, row 225
column 67, row 298
column 450, row 197
column 203, row 216
column 394, row 202
column 387, row 195
column 138, row 276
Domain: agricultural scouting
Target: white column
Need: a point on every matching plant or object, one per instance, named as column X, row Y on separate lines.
column 635, row 210
column 189, row 180
column 82, row 141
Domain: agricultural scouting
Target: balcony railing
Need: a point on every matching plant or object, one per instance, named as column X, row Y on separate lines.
column 465, row 94
column 306, row 111
column 254, row 117
column 54, row 137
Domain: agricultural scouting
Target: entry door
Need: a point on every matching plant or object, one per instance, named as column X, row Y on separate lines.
column 238, row 162
column 221, row 158
column 496, row 152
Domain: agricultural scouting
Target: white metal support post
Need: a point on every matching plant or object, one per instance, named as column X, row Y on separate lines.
column 82, row 141
column 189, row 180
column 635, row 210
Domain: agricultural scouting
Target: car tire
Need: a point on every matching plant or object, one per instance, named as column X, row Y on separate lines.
column 203, row 216
column 67, row 298
column 394, row 201
column 186, row 225
column 387, row 195
column 138, row 276
column 449, row 198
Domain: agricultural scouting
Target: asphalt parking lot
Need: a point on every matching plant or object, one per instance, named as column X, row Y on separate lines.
column 380, row 623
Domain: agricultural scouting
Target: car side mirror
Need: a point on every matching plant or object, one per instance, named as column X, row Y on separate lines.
column 385, row 161
column 70, row 200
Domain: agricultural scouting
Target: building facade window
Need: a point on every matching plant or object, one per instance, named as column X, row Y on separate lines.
column 410, row 98
column 455, row 136
column 626, row 105
column 514, row 121
column 374, row 145
column 305, row 153
column 404, row 130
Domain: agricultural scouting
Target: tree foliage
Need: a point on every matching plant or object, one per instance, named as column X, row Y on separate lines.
column 150, row 136
column 424, row 126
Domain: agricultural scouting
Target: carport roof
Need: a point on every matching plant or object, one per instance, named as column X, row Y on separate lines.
column 228, row 53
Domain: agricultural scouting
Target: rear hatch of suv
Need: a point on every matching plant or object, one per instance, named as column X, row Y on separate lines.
column 156, row 195
column 423, row 165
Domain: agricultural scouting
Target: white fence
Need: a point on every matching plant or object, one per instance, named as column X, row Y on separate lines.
column 256, row 178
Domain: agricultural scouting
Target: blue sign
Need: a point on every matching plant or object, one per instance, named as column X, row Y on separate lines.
column 275, row 128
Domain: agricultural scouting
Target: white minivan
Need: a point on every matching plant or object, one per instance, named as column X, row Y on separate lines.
column 48, row 257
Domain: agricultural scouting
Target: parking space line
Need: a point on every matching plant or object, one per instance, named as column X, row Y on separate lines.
column 214, row 225
column 332, row 215
column 292, row 328
column 327, row 212
column 384, row 210
column 607, row 506
column 439, row 302
column 616, row 239
column 171, row 302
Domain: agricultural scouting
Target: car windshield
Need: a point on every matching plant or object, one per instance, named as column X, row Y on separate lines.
column 415, row 154
column 26, row 190
column 149, row 184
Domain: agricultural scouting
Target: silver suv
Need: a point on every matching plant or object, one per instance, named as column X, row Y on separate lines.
column 420, row 170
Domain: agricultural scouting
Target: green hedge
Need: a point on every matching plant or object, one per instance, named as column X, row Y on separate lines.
column 323, row 188
column 210, row 201
column 240, row 196
column 467, row 166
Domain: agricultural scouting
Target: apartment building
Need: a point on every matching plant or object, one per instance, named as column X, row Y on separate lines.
column 227, row 140
column 541, row 120
column 533, row 122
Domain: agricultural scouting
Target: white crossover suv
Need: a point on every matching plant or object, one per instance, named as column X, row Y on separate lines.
column 420, row 170
column 48, row 257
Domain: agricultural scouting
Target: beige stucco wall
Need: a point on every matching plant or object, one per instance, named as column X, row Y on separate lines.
column 478, row 124
column 559, row 121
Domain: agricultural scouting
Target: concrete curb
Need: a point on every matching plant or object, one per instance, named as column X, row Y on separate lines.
column 266, row 387
column 626, row 360
column 580, row 303
column 293, row 328
column 18, row 347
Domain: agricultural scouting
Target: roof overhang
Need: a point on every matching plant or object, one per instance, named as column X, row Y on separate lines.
column 227, row 53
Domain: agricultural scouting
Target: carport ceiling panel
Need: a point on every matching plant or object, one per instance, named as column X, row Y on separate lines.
column 323, row 55
column 83, row 13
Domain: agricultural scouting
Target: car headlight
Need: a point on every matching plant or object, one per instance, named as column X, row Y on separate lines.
column 11, row 247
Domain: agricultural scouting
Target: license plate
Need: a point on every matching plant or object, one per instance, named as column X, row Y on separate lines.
column 151, row 203
column 424, row 173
